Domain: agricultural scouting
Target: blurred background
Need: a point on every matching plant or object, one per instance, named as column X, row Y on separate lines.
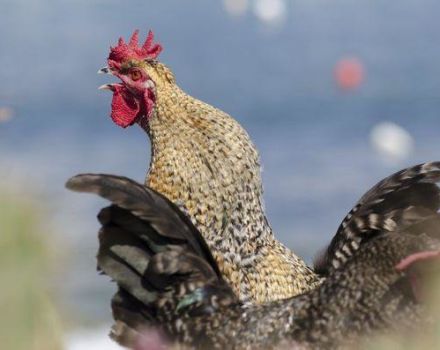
column 335, row 94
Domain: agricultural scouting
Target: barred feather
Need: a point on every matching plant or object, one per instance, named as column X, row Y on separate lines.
column 408, row 201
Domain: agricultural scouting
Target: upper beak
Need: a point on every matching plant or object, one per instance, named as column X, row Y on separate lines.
column 105, row 70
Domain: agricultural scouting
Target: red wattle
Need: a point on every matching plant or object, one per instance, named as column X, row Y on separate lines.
column 125, row 108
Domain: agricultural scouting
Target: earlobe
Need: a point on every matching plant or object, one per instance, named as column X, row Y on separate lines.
column 149, row 84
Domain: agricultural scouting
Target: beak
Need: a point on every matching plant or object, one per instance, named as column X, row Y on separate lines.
column 106, row 87
column 105, row 70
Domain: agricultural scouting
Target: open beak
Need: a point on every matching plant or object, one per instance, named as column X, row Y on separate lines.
column 105, row 70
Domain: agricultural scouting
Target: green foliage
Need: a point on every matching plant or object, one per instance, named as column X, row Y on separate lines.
column 28, row 319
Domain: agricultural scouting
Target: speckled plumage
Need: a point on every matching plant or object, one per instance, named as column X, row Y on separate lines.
column 167, row 278
column 205, row 162
column 366, row 296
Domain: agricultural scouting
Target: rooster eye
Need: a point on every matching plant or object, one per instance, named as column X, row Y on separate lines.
column 135, row 75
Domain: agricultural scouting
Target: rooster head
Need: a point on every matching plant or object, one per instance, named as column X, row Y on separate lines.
column 134, row 98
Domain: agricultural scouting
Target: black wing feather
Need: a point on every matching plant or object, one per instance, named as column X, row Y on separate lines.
column 148, row 205
column 408, row 200
column 159, row 260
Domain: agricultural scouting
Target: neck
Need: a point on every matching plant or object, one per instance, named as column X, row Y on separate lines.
column 205, row 162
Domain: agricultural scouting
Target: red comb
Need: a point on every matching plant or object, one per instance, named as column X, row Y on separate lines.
column 123, row 52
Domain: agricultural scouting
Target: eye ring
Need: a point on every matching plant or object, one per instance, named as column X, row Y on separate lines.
column 135, row 75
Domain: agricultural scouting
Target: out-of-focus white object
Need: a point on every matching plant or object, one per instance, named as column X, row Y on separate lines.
column 391, row 141
column 6, row 114
column 236, row 7
column 96, row 339
column 270, row 11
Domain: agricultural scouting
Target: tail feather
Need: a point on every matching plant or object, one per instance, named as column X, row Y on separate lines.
column 408, row 200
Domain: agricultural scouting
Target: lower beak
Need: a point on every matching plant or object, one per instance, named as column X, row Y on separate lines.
column 106, row 87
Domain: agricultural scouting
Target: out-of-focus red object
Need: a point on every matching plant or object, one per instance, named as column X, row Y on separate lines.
column 349, row 73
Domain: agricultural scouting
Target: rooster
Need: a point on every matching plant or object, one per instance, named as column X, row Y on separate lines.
column 204, row 162
column 168, row 278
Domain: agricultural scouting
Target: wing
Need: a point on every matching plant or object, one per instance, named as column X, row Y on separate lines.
column 408, row 200
column 159, row 260
column 166, row 276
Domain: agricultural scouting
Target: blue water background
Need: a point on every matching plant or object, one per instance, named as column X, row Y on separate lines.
column 276, row 80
